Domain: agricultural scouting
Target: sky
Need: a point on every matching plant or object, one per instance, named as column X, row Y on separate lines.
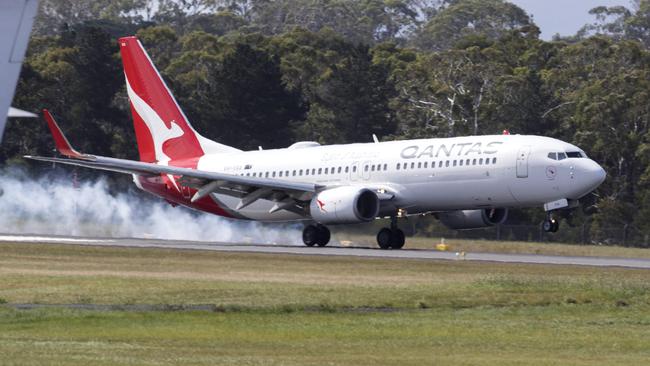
column 563, row 16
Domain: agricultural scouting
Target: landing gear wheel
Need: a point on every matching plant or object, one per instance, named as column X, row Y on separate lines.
column 556, row 226
column 384, row 238
column 310, row 235
column 550, row 225
column 390, row 238
column 397, row 239
column 316, row 235
column 323, row 235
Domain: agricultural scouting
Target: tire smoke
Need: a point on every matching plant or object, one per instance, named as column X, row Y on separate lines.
column 57, row 206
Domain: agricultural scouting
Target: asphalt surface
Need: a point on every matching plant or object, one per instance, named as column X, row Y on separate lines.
column 420, row 254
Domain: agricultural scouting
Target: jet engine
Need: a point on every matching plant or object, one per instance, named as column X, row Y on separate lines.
column 344, row 205
column 473, row 219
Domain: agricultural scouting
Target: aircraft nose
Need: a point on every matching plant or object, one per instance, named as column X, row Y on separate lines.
column 594, row 175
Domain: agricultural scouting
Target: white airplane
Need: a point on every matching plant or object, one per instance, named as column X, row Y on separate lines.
column 467, row 182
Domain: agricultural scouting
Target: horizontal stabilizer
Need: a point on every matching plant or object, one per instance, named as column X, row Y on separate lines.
column 19, row 113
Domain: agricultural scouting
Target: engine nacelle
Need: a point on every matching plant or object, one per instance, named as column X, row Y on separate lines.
column 473, row 219
column 344, row 205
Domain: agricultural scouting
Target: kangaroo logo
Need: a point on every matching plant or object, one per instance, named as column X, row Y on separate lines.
column 321, row 204
column 159, row 131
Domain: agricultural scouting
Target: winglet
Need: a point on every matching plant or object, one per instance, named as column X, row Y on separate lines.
column 60, row 140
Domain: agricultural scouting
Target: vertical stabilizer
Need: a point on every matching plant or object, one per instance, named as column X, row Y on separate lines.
column 163, row 132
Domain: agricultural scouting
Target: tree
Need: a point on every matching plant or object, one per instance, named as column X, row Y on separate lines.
column 365, row 21
column 235, row 93
column 350, row 102
column 604, row 89
column 620, row 22
column 489, row 18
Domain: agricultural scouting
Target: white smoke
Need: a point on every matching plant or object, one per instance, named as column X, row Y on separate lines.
column 60, row 207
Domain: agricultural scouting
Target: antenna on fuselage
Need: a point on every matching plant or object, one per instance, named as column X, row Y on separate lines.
column 375, row 139
column 260, row 148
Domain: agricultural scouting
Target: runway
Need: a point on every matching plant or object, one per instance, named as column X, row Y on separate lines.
column 420, row 254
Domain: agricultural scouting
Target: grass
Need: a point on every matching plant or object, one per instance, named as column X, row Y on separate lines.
column 492, row 246
column 299, row 310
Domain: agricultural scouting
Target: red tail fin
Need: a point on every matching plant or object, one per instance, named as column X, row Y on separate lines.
column 162, row 130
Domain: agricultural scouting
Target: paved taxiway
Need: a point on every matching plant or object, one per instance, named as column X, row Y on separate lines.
column 337, row 251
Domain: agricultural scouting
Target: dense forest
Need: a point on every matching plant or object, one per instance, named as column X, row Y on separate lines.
column 264, row 72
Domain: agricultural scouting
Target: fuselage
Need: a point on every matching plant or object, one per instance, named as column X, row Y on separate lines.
column 420, row 176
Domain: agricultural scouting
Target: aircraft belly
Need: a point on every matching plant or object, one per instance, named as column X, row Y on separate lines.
column 258, row 210
column 458, row 194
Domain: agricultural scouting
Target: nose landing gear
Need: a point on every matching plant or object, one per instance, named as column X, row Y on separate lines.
column 392, row 237
column 316, row 234
column 550, row 224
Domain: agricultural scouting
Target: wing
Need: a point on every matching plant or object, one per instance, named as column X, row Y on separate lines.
column 291, row 196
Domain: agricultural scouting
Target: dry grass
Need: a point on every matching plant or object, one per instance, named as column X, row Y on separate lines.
column 314, row 310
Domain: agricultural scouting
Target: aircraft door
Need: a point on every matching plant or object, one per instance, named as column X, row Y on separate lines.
column 522, row 162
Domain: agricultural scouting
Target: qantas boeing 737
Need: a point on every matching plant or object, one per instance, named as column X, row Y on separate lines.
column 467, row 182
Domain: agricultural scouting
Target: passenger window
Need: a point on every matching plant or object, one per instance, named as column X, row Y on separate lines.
column 552, row 156
column 327, row 170
column 454, row 162
column 385, row 166
column 440, row 164
column 339, row 171
column 413, row 165
column 447, row 164
column 460, row 162
column 420, row 165
column 561, row 156
column 300, row 172
column 347, row 169
column 320, row 171
column 474, row 162
column 398, row 166
column 273, row 174
column 333, row 170
column 494, row 160
column 354, row 169
column 467, row 162
column 426, row 164
column 372, row 168
column 480, row 161
column 313, row 171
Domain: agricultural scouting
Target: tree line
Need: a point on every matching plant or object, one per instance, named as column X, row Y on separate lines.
column 252, row 73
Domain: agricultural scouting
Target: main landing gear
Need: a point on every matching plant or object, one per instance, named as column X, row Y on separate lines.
column 550, row 224
column 391, row 237
column 316, row 234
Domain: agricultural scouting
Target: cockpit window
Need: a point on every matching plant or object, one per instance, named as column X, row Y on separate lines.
column 552, row 156
column 561, row 156
column 574, row 154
